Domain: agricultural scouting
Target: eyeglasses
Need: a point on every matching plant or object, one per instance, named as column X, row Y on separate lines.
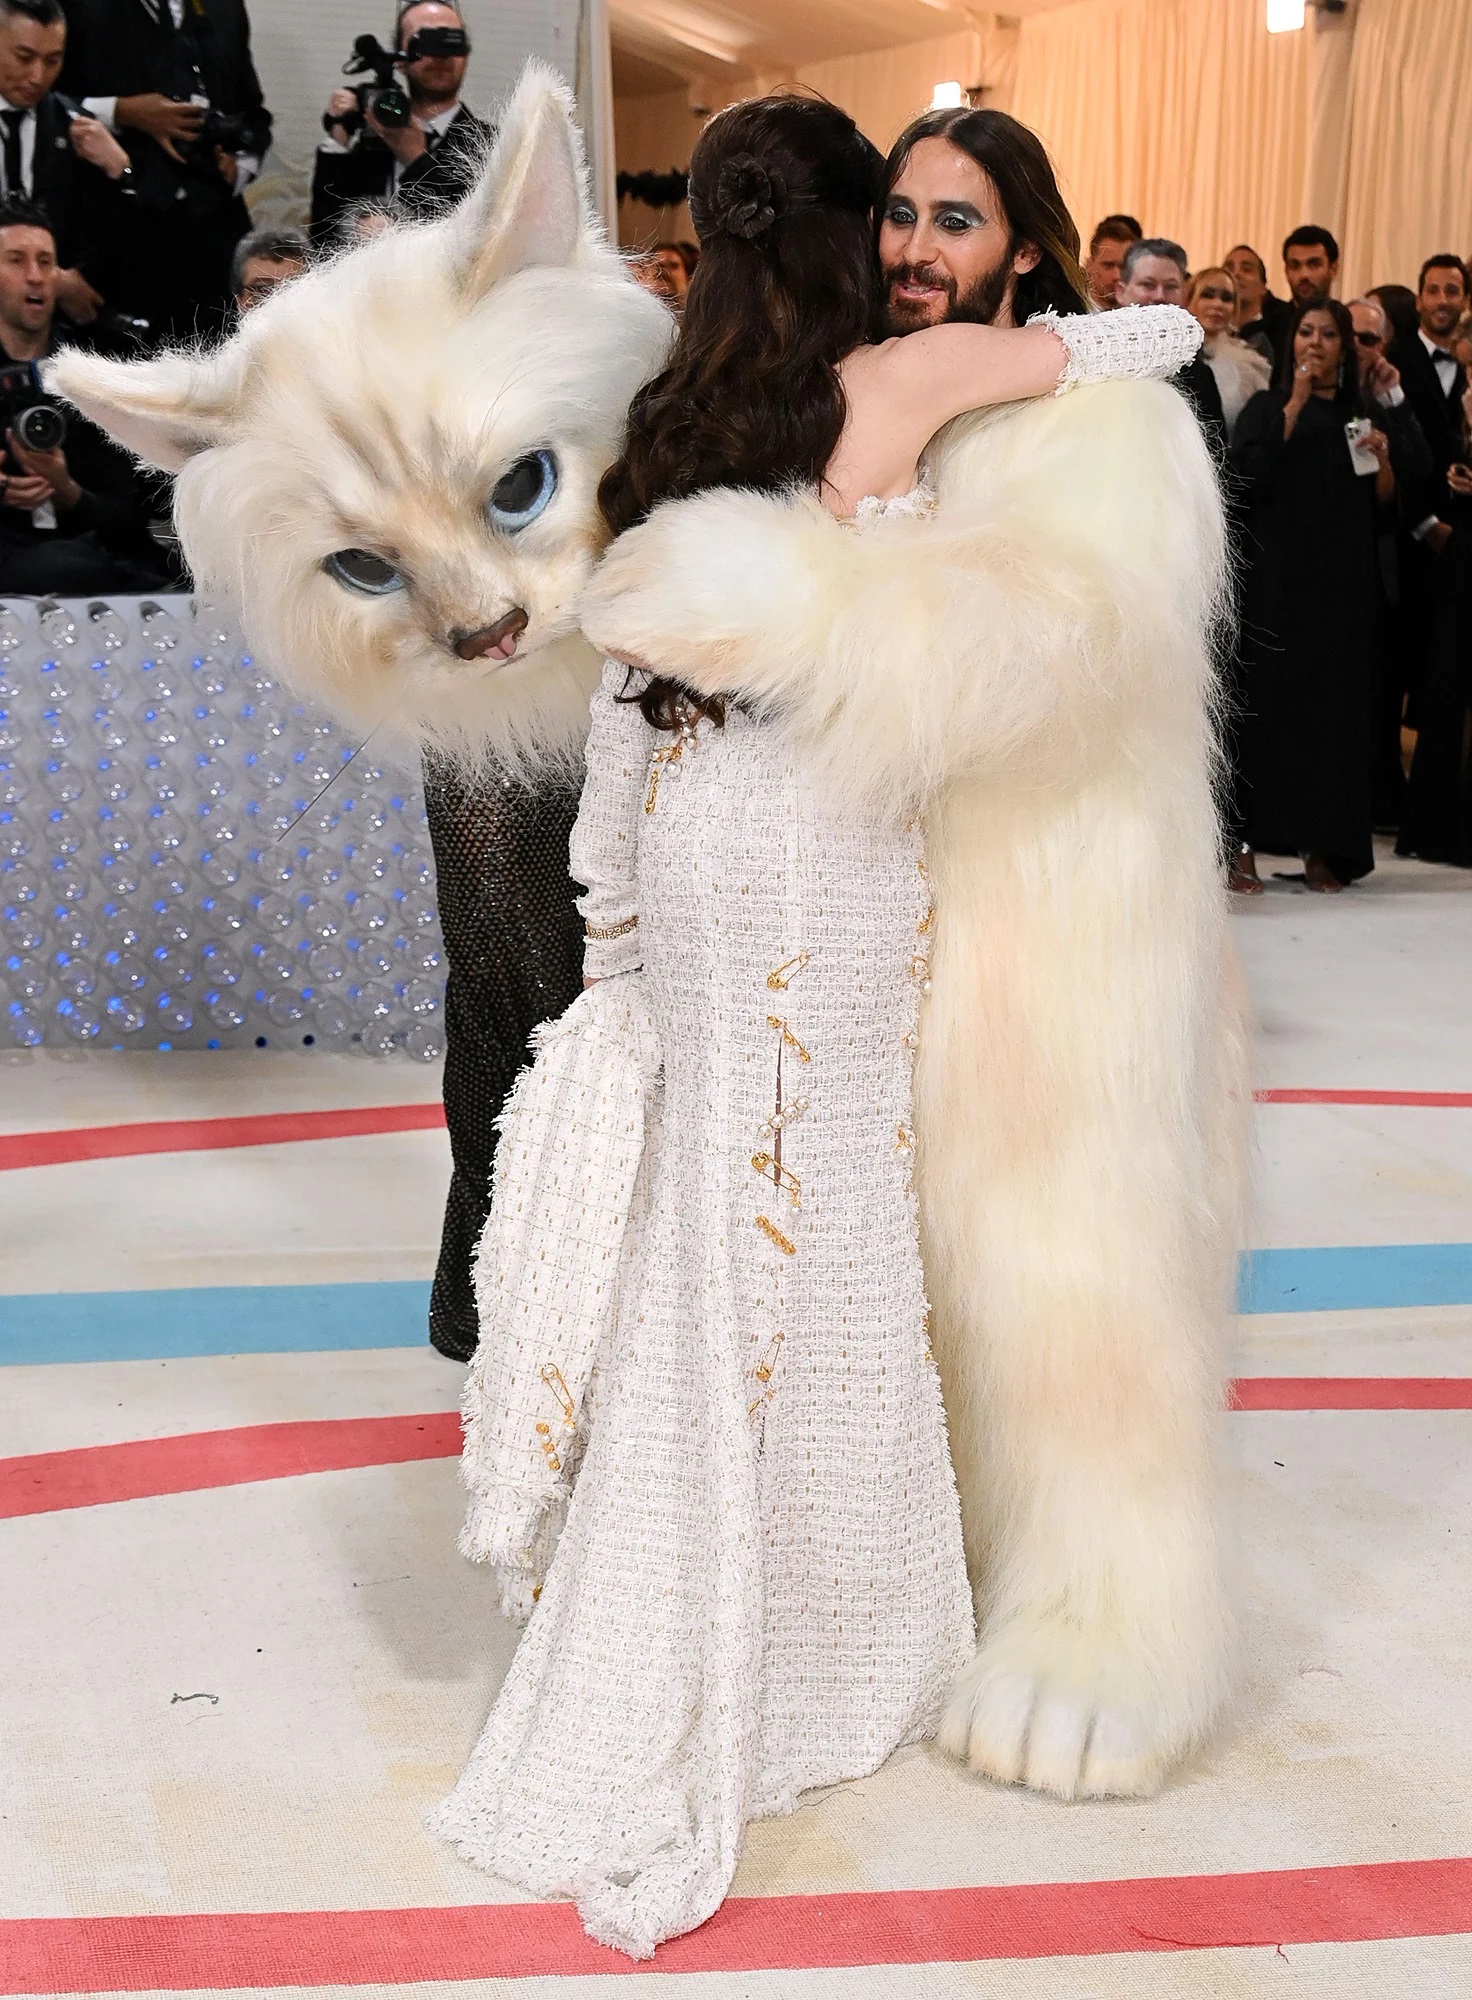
column 1367, row 339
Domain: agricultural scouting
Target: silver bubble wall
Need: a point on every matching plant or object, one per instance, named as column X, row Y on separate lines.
column 190, row 858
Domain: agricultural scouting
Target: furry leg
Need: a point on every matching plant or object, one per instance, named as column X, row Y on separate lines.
column 1078, row 1237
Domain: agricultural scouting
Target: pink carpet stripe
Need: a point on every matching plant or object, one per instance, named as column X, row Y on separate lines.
column 208, row 1135
column 279, row 1128
column 1442, row 1100
column 1394, row 1899
column 51, row 1482
column 1352, row 1392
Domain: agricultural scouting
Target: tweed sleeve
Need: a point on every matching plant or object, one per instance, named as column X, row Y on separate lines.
column 603, row 851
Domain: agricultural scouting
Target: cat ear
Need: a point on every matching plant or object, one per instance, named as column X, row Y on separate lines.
column 164, row 410
column 530, row 206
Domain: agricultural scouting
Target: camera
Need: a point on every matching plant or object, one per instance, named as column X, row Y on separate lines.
column 224, row 129
column 38, row 420
column 384, row 95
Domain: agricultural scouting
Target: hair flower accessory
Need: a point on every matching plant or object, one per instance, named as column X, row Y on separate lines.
column 749, row 197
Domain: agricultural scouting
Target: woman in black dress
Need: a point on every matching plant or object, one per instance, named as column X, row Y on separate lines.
column 1310, row 605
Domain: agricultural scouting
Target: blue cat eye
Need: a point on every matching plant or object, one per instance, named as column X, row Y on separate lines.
column 362, row 571
column 523, row 492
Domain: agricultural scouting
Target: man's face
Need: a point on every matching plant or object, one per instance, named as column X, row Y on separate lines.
column 261, row 277
column 1441, row 300
column 1308, row 271
column 671, row 267
column 1369, row 331
column 1103, row 269
column 945, row 245
column 1241, row 267
column 1153, row 281
column 433, row 79
column 27, row 279
column 30, row 59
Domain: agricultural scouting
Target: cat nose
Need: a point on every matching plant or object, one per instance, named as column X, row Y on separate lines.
column 489, row 642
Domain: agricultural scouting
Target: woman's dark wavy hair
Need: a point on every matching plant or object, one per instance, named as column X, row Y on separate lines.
column 1348, row 394
column 781, row 190
column 1017, row 162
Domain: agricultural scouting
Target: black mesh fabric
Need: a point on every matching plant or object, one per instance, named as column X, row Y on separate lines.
column 514, row 952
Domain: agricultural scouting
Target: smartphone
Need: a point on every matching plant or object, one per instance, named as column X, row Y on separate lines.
column 1357, row 433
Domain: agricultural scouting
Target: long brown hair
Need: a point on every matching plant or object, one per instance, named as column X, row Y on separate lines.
column 1017, row 162
column 781, row 190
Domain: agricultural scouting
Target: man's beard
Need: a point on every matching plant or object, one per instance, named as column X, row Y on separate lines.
column 977, row 307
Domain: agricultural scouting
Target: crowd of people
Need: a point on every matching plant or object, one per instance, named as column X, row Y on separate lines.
column 1343, row 433
column 131, row 129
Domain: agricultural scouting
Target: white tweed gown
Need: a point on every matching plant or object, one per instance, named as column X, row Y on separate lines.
column 760, row 1586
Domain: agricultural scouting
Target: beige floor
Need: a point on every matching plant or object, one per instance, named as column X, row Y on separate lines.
column 353, row 1654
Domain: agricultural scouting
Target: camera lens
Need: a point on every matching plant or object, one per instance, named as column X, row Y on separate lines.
column 40, row 428
column 391, row 106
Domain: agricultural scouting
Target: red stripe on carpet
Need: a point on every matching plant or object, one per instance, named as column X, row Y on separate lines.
column 208, row 1135
column 1445, row 1100
column 51, row 1482
column 1392, row 1899
column 279, row 1128
column 1352, row 1392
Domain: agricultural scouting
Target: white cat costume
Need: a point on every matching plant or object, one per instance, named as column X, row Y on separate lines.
column 1029, row 670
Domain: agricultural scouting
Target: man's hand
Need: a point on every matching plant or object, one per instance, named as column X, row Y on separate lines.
column 1382, row 377
column 1459, row 479
column 164, row 119
column 229, row 165
column 77, row 298
column 342, row 104
column 407, row 143
column 92, row 142
column 49, row 470
column 25, row 495
column 1437, row 536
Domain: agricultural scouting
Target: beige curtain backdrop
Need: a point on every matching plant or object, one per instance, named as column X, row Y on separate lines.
column 883, row 91
column 1186, row 113
column 1408, row 180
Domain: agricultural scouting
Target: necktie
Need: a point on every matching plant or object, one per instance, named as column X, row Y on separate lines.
column 13, row 182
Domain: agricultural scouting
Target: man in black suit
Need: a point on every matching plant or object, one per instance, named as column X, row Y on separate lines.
column 425, row 165
column 73, row 518
column 71, row 165
column 1154, row 273
column 175, row 80
column 1434, row 382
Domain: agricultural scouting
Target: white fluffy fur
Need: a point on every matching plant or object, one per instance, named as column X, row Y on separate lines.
column 374, row 403
column 1030, row 668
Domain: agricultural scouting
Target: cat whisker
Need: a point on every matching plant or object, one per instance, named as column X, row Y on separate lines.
column 327, row 787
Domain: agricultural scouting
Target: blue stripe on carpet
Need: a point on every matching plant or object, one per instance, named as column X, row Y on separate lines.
column 215, row 1319
column 295, row 1319
column 1356, row 1277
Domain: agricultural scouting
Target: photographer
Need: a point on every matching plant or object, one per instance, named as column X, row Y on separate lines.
column 73, row 516
column 174, row 79
column 51, row 154
column 425, row 160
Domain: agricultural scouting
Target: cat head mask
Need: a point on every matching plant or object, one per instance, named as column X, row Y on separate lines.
column 391, row 470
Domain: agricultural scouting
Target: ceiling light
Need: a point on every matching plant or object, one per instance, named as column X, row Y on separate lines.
column 949, row 97
column 1284, row 16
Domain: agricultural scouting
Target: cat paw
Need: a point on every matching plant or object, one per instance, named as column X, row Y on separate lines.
column 1063, row 1710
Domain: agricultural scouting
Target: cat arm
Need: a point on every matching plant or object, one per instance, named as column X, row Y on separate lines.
column 1065, row 585
column 604, row 845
